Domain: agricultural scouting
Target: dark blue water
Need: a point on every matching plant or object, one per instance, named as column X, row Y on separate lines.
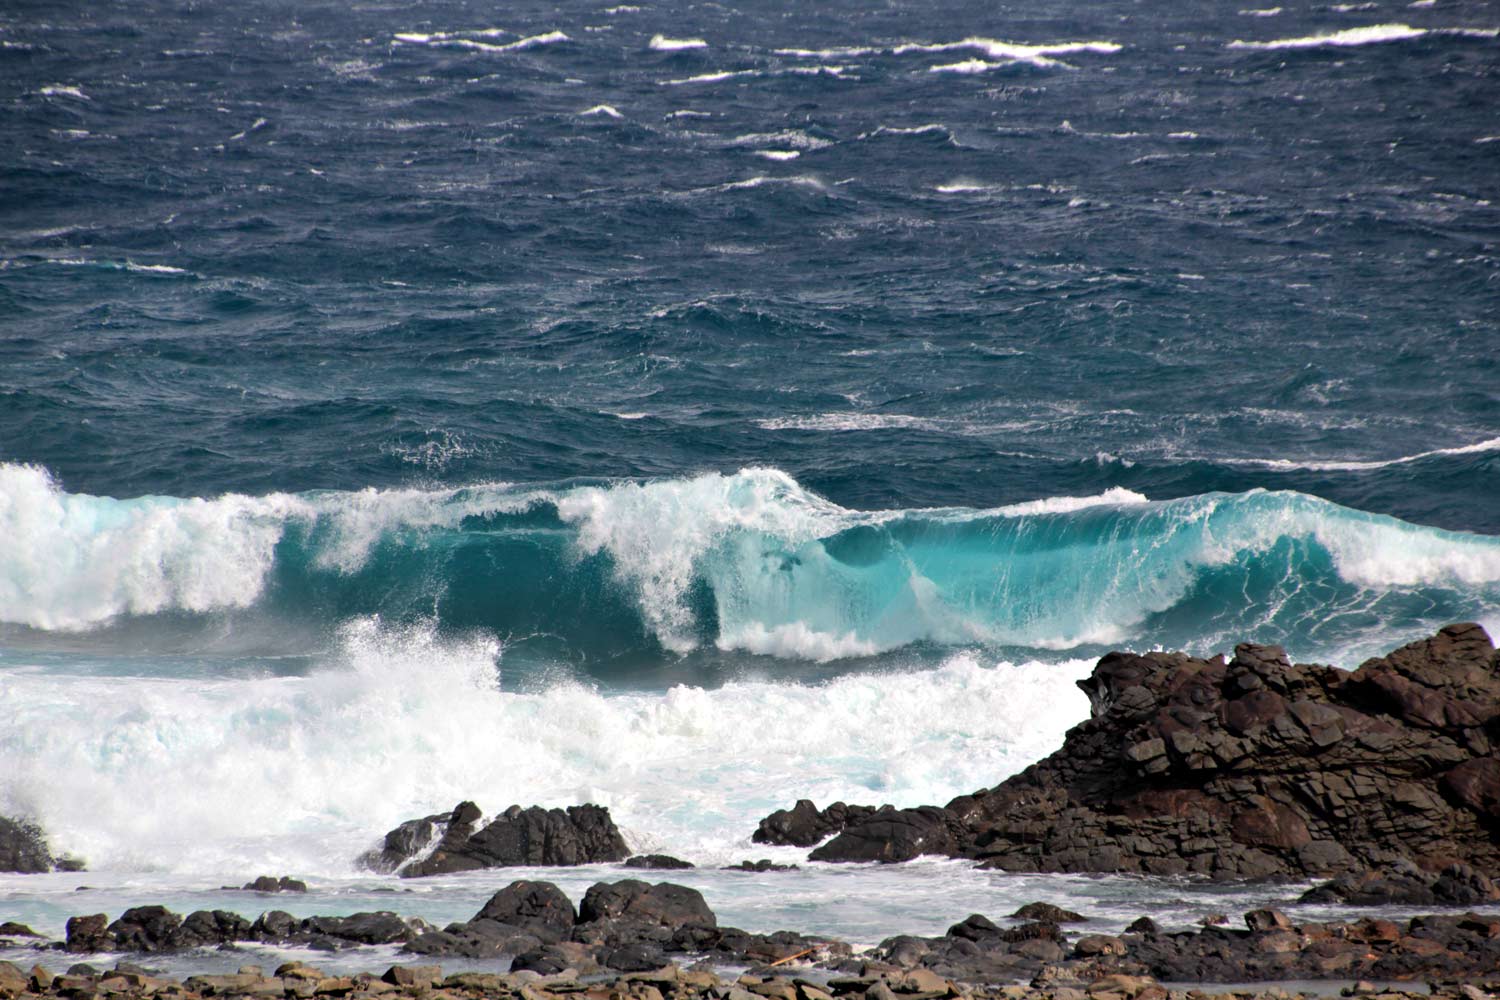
column 957, row 255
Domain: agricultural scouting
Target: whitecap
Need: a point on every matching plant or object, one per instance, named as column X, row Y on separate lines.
column 718, row 77
column 61, row 90
column 1361, row 465
column 661, row 43
column 601, row 109
column 1374, row 34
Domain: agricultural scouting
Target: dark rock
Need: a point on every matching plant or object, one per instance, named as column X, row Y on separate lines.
column 537, row 907
column 380, row 927
column 663, row 904
column 417, row 976
column 975, row 927
column 1048, row 913
column 202, row 928
column 638, row 956
column 805, row 824
column 415, row 836
column 12, row 929
column 891, row 835
column 657, row 861
column 266, row 883
column 535, row 836
column 23, row 847
column 89, row 934
column 763, row 865
column 145, row 928
column 1249, row 768
column 275, row 925
column 1143, row 925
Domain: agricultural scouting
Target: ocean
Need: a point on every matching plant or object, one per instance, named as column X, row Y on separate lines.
column 695, row 408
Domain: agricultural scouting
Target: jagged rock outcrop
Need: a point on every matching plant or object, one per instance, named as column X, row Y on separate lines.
column 578, row 835
column 1248, row 768
column 805, row 824
column 1404, row 884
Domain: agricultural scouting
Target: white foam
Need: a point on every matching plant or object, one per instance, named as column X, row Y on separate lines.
column 710, row 77
column 790, row 138
column 845, row 422
column 780, row 155
column 62, row 90
column 933, row 128
column 1352, row 465
column 689, row 113
column 72, row 560
column 1375, row 34
column 622, row 9
column 1114, row 496
column 1261, row 12
column 796, row 641
column 966, row 66
column 1040, row 55
column 658, row 532
column 601, row 109
column 301, row 774
column 852, row 52
column 761, row 181
column 962, row 187
column 467, row 40
column 661, row 43
column 546, row 38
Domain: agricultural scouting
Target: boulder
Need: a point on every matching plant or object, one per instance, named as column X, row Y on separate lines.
column 540, row 908
column 577, row 835
column 663, row 904
column 663, row 862
column 89, row 934
column 267, row 883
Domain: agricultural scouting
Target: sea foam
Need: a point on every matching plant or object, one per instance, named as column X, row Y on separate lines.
column 304, row 773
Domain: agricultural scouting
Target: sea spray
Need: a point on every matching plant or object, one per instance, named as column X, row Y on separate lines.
column 304, row 773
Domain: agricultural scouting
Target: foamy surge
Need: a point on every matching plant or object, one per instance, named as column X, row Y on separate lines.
column 301, row 774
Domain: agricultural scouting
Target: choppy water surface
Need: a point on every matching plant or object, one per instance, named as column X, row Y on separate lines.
column 692, row 410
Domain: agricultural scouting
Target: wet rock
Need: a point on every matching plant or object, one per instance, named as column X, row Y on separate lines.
column 1402, row 883
column 380, row 927
column 763, row 865
column 663, row 904
column 204, row 928
column 540, row 908
column 1048, row 913
column 805, row 824
column 266, row 883
column 658, row 861
column 416, row 836
column 12, row 929
column 89, row 933
column 1245, row 768
column 574, row 836
column 891, row 835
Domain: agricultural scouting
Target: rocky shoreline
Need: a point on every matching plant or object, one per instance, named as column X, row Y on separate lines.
column 631, row 926
column 300, row 981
